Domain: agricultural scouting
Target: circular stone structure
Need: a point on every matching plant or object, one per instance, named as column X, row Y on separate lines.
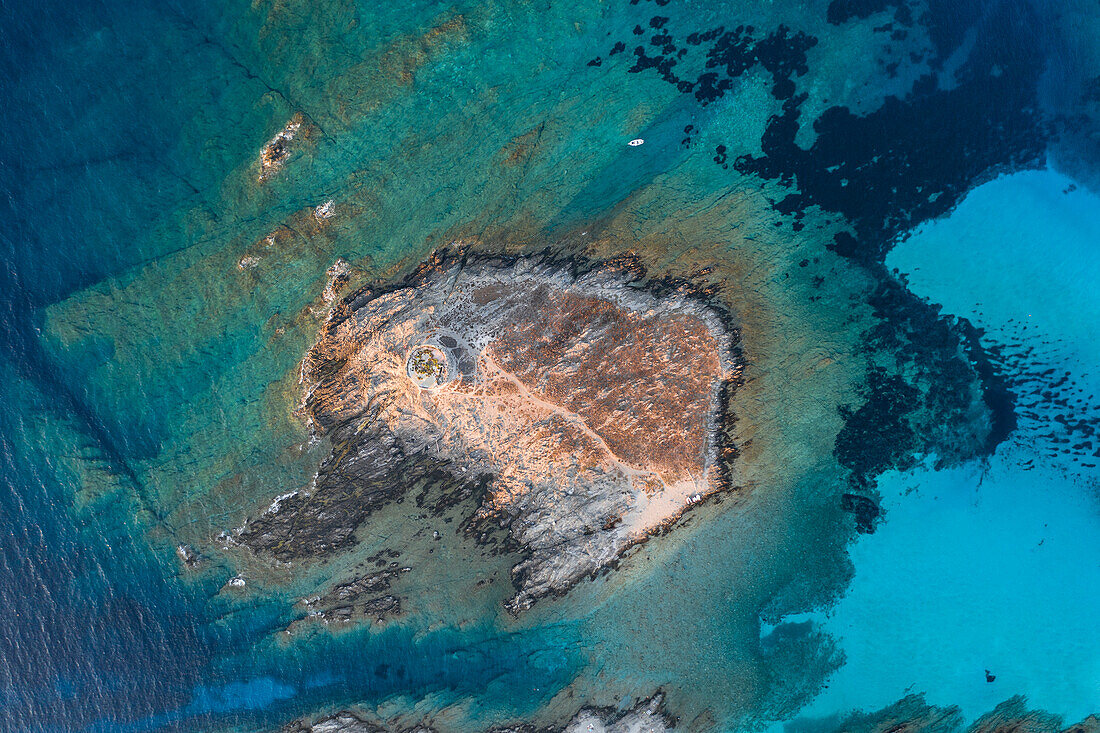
column 428, row 366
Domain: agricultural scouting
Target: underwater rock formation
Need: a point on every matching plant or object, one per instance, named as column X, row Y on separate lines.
column 188, row 556
column 276, row 151
column 587, row 407
column 365, row 597
column 913, row 714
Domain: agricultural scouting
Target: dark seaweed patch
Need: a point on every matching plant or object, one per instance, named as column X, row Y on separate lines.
column 841, row 11
column 727, row 55
column 688, row 130
column 864, row 509
column 878, row 436
column 913, row 158
column 996, row 388
column 1061, row 418
column 935, row 355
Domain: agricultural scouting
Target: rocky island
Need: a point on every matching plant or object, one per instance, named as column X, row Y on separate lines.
column 585, row 408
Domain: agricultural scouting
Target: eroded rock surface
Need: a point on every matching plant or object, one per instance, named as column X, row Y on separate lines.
column 364, row 597
column 645, row 717
column 648, row 716
column 277, row 150
column 593, row 405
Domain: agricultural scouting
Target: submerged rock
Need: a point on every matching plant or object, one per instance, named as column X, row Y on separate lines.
column 913, row 714
column 277, row 149
column 593, row 405
column 188, row 556
column 362, row 598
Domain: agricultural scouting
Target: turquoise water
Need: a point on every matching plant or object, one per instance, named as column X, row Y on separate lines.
column 149, row 382
column 991, row 566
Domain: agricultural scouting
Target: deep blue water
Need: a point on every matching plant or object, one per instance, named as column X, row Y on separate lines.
column 92, row 628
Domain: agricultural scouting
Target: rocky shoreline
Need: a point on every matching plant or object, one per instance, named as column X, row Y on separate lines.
column 647, row 716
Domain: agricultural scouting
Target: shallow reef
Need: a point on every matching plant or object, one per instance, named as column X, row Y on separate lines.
column 912, row 714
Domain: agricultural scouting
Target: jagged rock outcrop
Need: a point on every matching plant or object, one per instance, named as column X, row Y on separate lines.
column 648, row 716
